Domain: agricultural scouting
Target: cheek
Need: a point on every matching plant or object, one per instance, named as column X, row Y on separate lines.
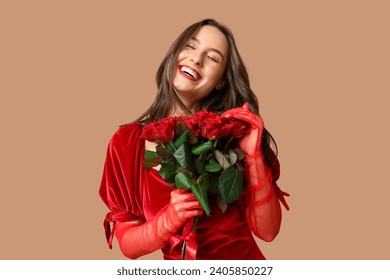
column 181, row 56
column 216, row 74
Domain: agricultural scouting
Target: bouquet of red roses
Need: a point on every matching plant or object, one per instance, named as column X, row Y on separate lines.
column 199, row 154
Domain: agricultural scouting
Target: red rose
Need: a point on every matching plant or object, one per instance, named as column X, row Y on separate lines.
column 212, row 128
column 198, row 121
column 192, row 125
column 204, row 123
column 162, row 130
column 236, row 128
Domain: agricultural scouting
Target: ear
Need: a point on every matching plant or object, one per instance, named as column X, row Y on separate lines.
column 220, row 85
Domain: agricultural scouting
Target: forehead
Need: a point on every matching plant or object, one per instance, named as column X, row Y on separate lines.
column 211, row 37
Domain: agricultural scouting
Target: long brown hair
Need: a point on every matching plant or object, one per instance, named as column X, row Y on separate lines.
column 234, row 93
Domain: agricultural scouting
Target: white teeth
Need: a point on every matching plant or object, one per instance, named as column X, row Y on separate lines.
column 189, row 72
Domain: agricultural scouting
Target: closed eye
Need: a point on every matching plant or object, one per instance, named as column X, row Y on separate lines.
column 212, row 58
column 190, row 46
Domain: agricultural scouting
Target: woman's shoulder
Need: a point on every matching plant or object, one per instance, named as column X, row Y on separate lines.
column 129, row 128
column 127, row 134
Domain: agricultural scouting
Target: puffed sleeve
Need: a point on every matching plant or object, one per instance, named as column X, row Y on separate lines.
column 121, row 180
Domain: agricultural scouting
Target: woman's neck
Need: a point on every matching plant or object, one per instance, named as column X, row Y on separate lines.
column 178, row 111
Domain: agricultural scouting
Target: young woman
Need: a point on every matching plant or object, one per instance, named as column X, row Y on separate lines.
column 201, row 71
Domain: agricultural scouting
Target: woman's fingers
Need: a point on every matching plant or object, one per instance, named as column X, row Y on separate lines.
column 193, row 213
column 251, row 142
column 232, row 111
column 185, row 204
column 185, row 212
column 180, row 195
column 244, row 115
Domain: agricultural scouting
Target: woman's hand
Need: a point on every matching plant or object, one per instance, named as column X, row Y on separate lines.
column 251, row 142
column 182, row 207
column 136, row 240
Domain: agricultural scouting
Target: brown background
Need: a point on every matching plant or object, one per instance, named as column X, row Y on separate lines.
column 72, row 71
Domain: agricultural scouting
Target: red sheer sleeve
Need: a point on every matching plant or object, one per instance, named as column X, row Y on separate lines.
column 119, row 187
column 275, row 174
column 275, row 171
column 263, row 196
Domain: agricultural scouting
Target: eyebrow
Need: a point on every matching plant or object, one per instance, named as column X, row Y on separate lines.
column 211, row 49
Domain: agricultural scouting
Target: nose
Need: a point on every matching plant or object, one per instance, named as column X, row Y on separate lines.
column 196, row 58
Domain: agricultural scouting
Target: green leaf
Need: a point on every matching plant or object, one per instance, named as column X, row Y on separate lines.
column 200, row 165
column 240, row 153
column 183, row 158
column 184, row 181
column 221, row 159
column 162, row 152
column 149, row 163
column 167, row 172
column 211, row 158
column 204, row 147
column 150, row 154
column 181, row 169
column 201, row 180
column 232, row 156
column 169, row 160
column 200, row 193
column 170, row 147
column 230, row 184
column 204, row 180
column 181, row 139
column 191, row 137
column 221, row 204
column 212, row 167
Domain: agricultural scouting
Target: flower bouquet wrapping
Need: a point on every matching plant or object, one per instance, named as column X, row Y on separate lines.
column 199, row 154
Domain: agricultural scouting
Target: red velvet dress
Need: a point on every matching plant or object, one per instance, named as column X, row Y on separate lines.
column 133, row 193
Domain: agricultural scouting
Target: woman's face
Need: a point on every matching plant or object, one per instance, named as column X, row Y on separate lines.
column 200, row 65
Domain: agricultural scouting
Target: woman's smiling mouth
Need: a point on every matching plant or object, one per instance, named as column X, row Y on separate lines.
column 189, row 73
